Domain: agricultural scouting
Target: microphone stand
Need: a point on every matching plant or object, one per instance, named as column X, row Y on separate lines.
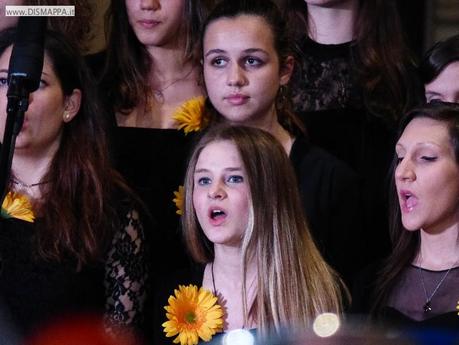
column 18, row 102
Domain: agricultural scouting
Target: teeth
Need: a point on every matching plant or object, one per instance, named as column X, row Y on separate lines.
column 216, row 213
column 407, row 195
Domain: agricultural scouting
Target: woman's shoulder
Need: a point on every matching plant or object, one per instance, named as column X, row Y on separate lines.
column 165, row 284
column 363, row 288
column 312, row 160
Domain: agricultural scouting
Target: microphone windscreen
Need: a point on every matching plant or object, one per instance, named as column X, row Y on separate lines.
column 28, row 51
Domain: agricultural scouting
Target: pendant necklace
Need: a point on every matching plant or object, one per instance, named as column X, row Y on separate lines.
column 159, row 93
column 427, row 307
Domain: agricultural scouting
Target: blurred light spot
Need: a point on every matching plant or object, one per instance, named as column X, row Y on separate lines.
column 238, row 337
column 326, row 324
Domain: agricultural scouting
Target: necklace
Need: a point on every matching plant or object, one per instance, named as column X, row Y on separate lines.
column 213, row 279
column 427, row 307
column 25, row 186
column 159, row 93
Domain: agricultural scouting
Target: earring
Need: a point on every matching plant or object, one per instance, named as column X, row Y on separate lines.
column 66, row 116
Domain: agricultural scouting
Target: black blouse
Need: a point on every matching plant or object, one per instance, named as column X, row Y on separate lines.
column 332, row 198
column 34, row 291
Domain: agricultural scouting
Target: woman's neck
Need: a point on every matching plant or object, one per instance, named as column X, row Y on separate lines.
column 271, row 124
column 332, row 25
column 440, row 250
column 28, row 171
column 224, row 277
column 228, row 261
column 167, row 64
column 173, row 80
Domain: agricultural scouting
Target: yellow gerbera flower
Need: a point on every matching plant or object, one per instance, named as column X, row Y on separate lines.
column 189, row 116
column 192, row 314
column 179, row 200
column 17, row 206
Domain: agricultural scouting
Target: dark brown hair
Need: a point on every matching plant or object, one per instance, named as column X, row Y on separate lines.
column 438, row 57
column 127, row 67
column 77, row 211
column 406, row 243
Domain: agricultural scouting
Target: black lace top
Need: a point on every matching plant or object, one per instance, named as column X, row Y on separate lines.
column 329, row 100
column 153, row 162
column 324, row 79
column 34, row 292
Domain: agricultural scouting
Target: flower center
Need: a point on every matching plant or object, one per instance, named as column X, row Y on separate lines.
column 190, row 317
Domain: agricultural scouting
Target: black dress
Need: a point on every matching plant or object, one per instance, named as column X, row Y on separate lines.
column 35, row 292
column 194, row 275
column 328, row 98
column 331, row 195
column 153, row 161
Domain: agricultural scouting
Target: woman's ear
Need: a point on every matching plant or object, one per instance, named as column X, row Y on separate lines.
column 286, row 70
column 72, row 105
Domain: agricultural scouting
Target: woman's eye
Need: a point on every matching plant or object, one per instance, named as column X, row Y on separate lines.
column 434, row 99
column 428, row 158
column 235, row 179
column 3, row 81
column 399, row 160
column 43, row 83
column 218, row 62
column 252, row 61
column 203, row 181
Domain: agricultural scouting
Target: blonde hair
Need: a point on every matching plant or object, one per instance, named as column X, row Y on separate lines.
column 294, row 283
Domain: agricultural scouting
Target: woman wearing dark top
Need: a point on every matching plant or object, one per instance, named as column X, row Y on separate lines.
column 84, row 252
column 355, row 77
column 150, row 70
column 246, row 73
column 417, row 285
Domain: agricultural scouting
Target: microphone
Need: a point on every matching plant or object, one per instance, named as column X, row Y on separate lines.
column 26, row 62
column 24, row 75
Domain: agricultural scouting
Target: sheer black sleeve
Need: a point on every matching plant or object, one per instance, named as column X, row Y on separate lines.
column 126, row 274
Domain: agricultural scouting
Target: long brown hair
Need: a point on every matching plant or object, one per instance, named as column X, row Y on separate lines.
column 77, row 211
column 294, row 284
column 127, row 66
column 384, row 65
column 406, row 243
